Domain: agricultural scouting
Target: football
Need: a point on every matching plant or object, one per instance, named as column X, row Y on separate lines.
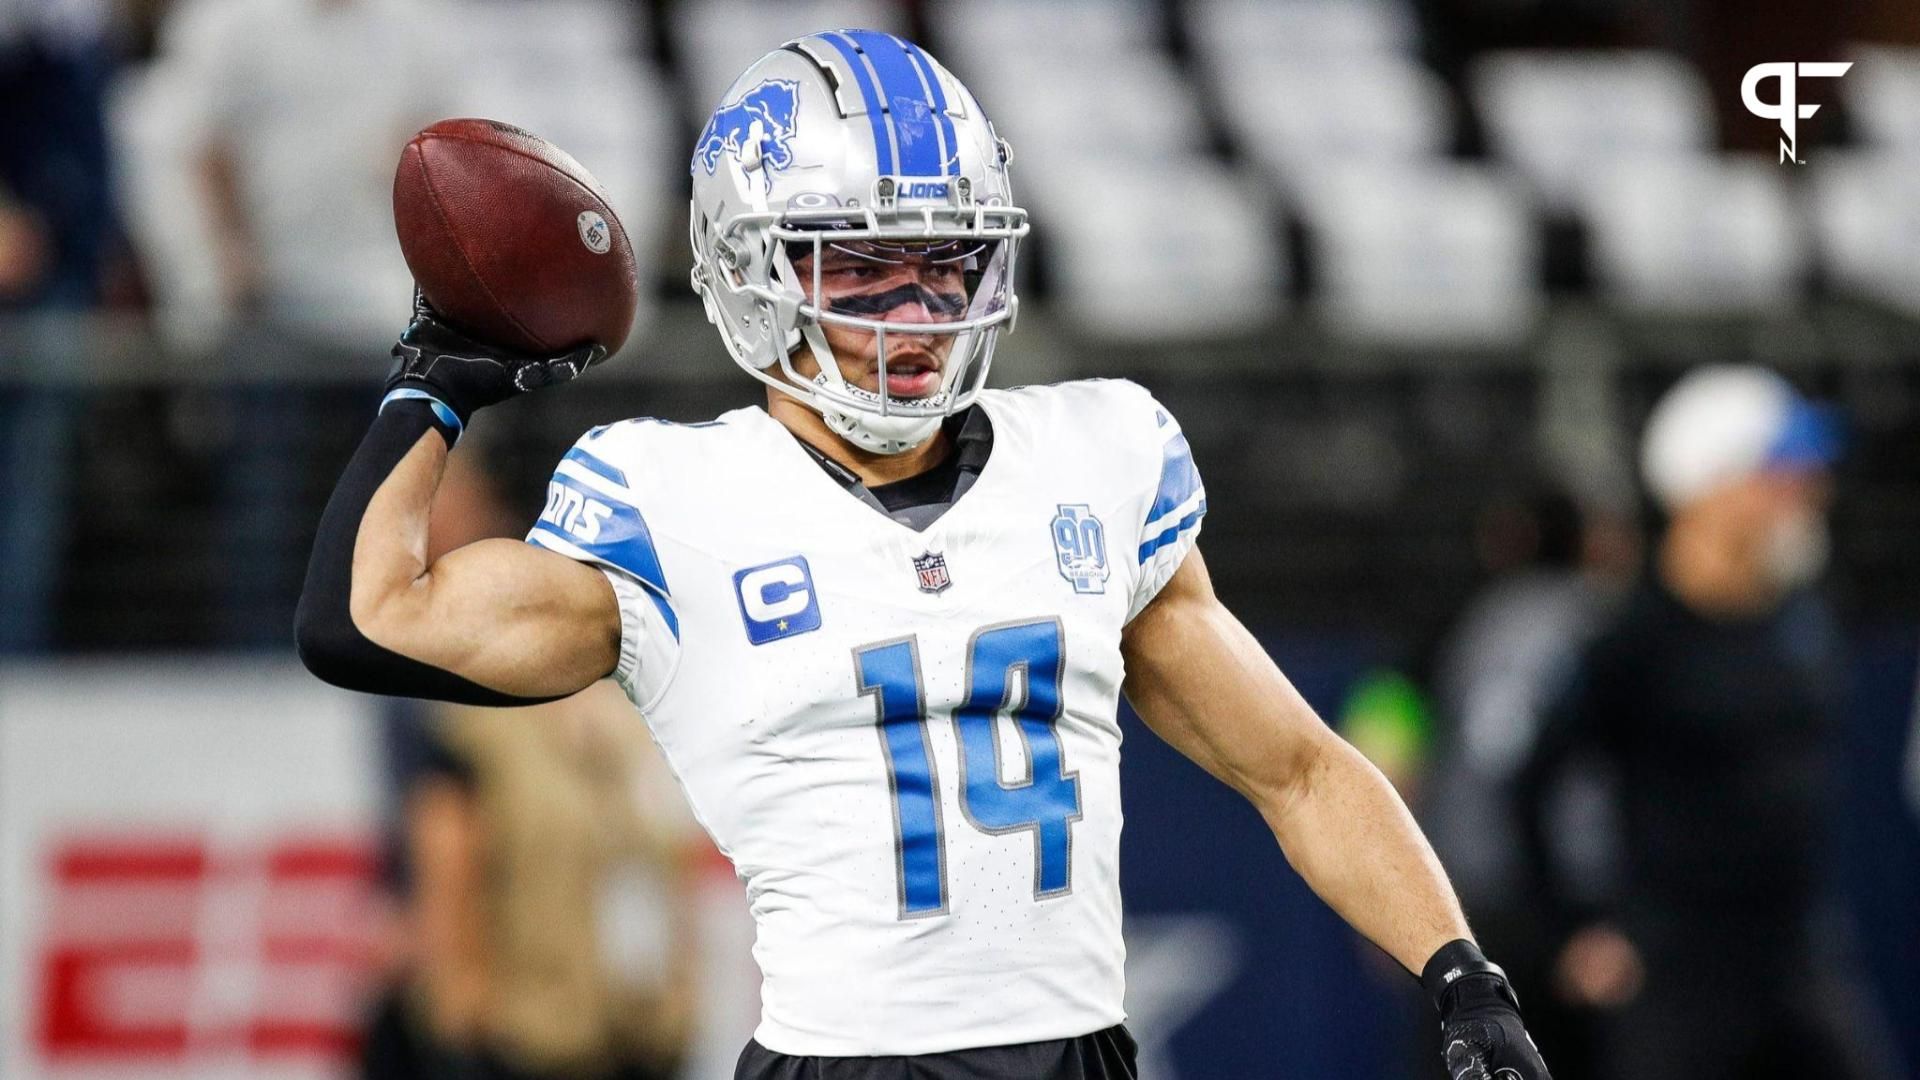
column 512, row 240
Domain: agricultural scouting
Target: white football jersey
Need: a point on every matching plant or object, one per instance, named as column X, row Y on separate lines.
column 905, row 740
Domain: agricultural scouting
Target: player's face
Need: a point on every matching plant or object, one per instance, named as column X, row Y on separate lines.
column 906, row 285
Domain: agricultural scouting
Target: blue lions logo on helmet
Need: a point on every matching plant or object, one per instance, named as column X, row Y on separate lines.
column 754, row 129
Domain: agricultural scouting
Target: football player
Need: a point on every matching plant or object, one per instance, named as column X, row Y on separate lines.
column 880, row 627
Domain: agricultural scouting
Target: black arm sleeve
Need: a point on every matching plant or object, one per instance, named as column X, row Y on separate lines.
column 329, row 643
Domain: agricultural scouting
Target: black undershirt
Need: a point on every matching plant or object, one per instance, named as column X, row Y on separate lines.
column 919, row 500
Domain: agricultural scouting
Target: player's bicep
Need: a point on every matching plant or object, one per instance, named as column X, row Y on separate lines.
column 513, row 617
column 1204, row 684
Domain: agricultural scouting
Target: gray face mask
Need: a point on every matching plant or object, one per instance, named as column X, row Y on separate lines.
column 1797, row 550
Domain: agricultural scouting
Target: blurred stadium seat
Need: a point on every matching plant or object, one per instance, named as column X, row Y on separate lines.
column 285, row 116
column 1437, row 253
column 970, row 34
column 1866, row 210
column 717, row 39
column 558, row 35
column 1115, row 124
column 1707, row 236
column 1376, row 108
column 1883, row 94
column 573, row 72
column 1079, row 109
column 1313, row 31
column 1214, row 267
column 1555, row 114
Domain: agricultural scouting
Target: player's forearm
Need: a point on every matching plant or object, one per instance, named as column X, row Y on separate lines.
column 1206, row 685
column 364, row 602
column 390, row 545
column 1346, row 831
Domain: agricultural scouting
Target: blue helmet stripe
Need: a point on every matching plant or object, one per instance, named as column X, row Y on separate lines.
column 949, row 142
column 884, row 149
column 910, row 108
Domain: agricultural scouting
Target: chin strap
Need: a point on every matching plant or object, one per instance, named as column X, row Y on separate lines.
column 874, row 433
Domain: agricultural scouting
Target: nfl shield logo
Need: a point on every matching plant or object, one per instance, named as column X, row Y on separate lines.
column 932, row 570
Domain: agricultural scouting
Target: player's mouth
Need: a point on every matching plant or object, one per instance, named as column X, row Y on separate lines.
column 912, row 378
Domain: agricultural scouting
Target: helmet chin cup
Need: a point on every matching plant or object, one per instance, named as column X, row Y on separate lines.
column 873, row 432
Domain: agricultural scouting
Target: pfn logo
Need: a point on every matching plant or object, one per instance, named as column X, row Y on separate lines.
column 1787, row 110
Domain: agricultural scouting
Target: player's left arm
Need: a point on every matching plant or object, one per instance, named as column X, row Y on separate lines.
column 1202, row 683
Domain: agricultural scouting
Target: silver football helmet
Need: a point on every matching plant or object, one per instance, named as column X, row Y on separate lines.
column 855, row 144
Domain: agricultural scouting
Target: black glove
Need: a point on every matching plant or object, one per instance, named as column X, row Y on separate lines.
column 1481, row 1034
column 435, row 362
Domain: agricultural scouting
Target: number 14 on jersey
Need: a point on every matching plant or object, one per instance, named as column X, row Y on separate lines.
column 1015, row 669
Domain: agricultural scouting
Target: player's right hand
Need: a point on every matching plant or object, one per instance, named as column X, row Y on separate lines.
column 434, row 360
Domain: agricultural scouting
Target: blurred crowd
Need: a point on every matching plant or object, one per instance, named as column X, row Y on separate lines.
column 217, row 160
column 1624, row 746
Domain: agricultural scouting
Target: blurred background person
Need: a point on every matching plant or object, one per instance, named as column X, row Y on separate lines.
column 1714, row 695
column 58, row 237
column 257, row 170
column 58, row 226
column 548, row 863
column 257, row 161
column 1555, row 567
column 259, row 153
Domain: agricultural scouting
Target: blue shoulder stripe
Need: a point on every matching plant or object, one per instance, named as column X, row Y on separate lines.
column 606, row 528
column 595, row 466
column 1172, row 532
column 659, row 601
column 883, row 147
column 1178, row 478
column 908, row 102
column 666, row 612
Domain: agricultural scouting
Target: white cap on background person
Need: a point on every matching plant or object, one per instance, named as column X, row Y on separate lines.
column 1723, row 423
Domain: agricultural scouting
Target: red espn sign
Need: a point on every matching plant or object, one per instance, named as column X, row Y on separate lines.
column 161, row 949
